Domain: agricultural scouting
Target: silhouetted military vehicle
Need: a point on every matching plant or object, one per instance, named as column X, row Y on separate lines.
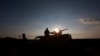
column 53, row 42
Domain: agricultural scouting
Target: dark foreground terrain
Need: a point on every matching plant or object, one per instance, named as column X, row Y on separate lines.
column 79, row 47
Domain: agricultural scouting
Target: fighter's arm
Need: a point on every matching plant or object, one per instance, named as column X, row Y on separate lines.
column 52, row 32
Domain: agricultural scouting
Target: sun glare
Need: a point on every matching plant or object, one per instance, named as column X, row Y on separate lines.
column 57, row 30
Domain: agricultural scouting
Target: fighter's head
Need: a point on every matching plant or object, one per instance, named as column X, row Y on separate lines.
column 46, row 28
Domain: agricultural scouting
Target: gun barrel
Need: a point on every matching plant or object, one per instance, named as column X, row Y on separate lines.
column 64, row 29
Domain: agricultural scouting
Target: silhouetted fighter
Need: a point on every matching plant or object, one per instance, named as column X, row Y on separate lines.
column 24, row 36
column 47, row 32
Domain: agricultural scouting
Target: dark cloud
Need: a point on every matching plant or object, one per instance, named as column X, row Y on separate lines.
column 89, row 21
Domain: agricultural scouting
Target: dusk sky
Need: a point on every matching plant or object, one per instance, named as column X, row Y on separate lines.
column 81, row 17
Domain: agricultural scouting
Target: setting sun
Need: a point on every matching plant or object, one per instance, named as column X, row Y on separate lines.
column 56, row 30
